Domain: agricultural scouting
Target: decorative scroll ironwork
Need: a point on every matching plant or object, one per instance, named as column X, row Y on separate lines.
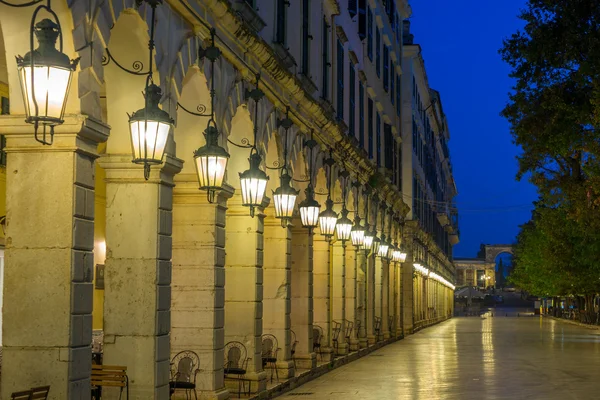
column 245, row 143
column 200, row 110
column 31, row 3
column 277, row 165
column 137, row 65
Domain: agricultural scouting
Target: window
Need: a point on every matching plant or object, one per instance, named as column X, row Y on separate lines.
column 388, row 144
column 370, row 33
column 280, row 35
column 362, row 19
column 361, row 115
column 392, row 81
column 305, row 38
column 352, row 7
column 397, row 94
column 340, row 80
column 352, row 101
column 325, row 61
column 370, row 128
column 386, row 68
column 378, row 52
column 378, row 133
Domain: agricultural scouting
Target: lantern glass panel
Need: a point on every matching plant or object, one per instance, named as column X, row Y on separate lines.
column 310, row 215
column 343, row 230
column 50, row 88
column 211, row 171
column 284, row 205
column 148, row 140
column 358, row 236
column 368, row 241
column 253, row 191
column 327, row 224
column 383, row 249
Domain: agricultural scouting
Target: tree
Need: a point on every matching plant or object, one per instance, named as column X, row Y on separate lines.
column 554, row 115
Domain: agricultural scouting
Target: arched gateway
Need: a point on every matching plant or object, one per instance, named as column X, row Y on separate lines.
column 480, row 271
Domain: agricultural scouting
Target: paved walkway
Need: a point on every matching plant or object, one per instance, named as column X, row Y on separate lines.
column 473, row 358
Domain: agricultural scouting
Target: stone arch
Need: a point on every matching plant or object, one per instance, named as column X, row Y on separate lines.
column 492, row 251
column 195, row 97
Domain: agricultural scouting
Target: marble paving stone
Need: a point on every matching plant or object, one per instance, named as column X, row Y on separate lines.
column 472, row 358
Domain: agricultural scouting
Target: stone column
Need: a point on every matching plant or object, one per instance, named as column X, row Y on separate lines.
column 385, row 298
column 379, row 293
column 302, row 295
column 371, row 338
column 339, row 294
column 399, row 302
column 244, row 286
column 321, row 292
column 198, row 288
column 137, row 295
column 407, row 296
column 393, row 311
column 276, row 289
column 361, row 292
column 48, row 291
column 351, row 294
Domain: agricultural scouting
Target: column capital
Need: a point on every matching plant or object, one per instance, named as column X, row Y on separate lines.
column 79, row 133
column 188, row 192
column 120, row 169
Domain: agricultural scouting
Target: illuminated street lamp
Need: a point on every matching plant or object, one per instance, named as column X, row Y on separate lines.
column 45, row 76
column 285, row 195
column 328, row 220
column 309, row 209
column 357, row 233
column 253, row 183
column 343, row 228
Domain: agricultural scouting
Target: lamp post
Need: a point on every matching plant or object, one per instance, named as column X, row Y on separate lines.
column 357, row 233
column 343, row 227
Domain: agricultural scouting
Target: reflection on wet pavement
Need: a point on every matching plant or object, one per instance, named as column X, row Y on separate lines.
column 473, row 358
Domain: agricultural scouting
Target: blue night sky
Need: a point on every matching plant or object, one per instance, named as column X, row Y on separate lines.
column 460, row 42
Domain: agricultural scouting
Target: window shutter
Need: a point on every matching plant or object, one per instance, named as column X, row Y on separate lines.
column 280, row 34
column 340, row 80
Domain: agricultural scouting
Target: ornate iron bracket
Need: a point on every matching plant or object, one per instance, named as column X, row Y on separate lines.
column 137, row 65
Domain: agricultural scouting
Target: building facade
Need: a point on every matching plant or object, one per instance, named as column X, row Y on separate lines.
column 152, row 265
column 427, row 181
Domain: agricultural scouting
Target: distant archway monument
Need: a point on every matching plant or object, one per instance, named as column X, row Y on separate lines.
column 480, row 271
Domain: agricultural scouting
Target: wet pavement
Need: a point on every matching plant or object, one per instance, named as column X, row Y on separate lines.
column 473, row 358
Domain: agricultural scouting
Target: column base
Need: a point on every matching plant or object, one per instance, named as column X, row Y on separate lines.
column 285, row 369
column 386, row 335
column 363, row 343
column 257, row 381
column 342, row 349
column 354, row 344
column 306, row 361
column 371, row 340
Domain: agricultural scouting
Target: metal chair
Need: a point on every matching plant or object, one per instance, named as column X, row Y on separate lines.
column 377, row 328
column 293, row 348
column 335, row 335
column 184, row 368
column 348, row 331
column 236, row 363
column 270, row 348
column 317, row 336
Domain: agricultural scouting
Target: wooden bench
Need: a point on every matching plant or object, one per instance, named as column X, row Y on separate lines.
column 111, row 376
column 37, row 393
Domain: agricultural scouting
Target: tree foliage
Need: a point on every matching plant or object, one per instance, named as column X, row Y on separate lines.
column 554, row 115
